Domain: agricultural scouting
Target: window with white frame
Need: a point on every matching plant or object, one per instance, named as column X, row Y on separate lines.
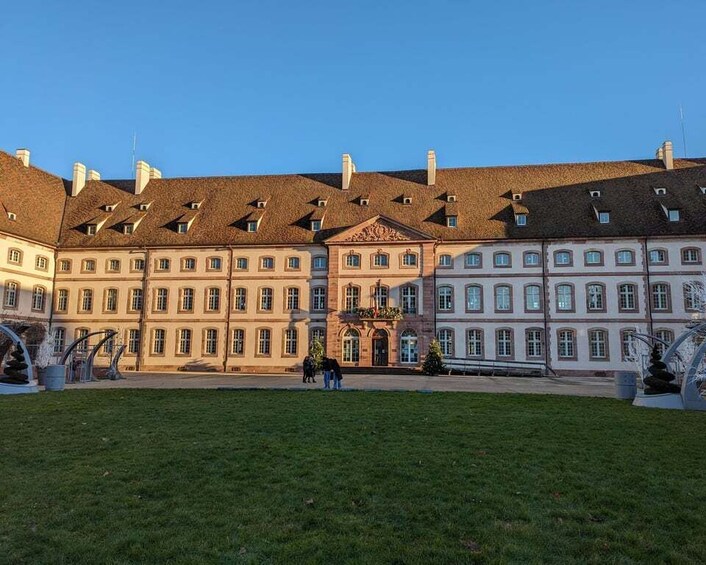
column 381, row 260
column 446, row 341
column 111, row 300
column 267, row 263
column 187, row 299
column 318, row 298
column 89, row 265
column 188, row 264
column 409, row 299
column 38, row 296
column 65, row 266
column 138, row 264
column 133, row 341
column 213, row 299
column 292, row 299
column 474, row 298
column 351, row 298
column 380, row 295
column 42, row 263
column 690, row 255
column 562, row 258
column 503, row 298
column 163, row 264
column 598, row 344
column 533, row 297
column 241, row 263
column 293, row 263
column 158, row 341
column 320, row 263
column 594, row 257
column 184, row 347
column 351, row 346
column 14, row 256
column 534, row 343
column 409, row 347
column 660, row 296
column 86, row 300
column 472, row 260
column 353, row 261
column 664, row 340
column 59, row 340
column 290, row 341
column 266, row 299
column 409, row 259
column 445, row 260
column 501, row 259
column 626, row 342
column 445, row 299
column 657, row 256
column 161, row 298
column 693, row 296
column 136, row 299
column 113, row 265
column 531, row 259
column 474, row 343
column 11, row 294
column 595, row 297
column 237, row 346
column 62, row 300
column 210, row 346
column 504, row 342
column 240, row 299
column 625, row 257
column 566, row 344
column 564, row 297
column 626, row 296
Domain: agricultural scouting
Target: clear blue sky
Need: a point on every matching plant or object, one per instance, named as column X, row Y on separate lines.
column 269, row 86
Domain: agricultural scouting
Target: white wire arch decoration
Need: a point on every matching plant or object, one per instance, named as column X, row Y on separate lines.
column 19, row 344
column 650, row 341
column 88, row 368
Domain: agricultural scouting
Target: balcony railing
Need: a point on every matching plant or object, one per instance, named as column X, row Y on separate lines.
column 387, row 313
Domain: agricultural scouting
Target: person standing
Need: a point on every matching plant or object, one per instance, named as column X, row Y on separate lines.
column 337, row 374
column 326, row 366
column 308, row 366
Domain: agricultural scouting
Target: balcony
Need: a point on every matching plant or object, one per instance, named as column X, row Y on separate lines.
column 391, row 313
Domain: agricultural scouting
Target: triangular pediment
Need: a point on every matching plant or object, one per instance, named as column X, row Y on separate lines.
column 379, row 228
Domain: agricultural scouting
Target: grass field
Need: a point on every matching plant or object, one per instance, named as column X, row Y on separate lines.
column 266, row 476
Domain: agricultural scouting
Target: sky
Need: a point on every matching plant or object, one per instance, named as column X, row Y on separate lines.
column 268, row 87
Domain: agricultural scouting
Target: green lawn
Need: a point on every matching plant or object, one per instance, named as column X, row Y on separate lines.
column 272, row 476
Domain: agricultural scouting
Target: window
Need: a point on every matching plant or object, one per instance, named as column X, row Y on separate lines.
column 158, row 338
column 503, row 298
column 451, row 221
column 353, row 261
column 567, row 344
column 604, row 217
column 626, row 340
column 315, row 225
column 660, row 296
column 163, row 264
column 406, row 200
column 293, row 263
column 14, row 256
column 62, row 300
column 79, row 334
column 409, row 299
column 136, row 299
column 409, row 259
column 113, row 266
column 65, row 266
column 241, row 264
column 187, row 299
column 504, row 342
column 595, row 297
column 533, row 343
column 214, row 263
column 41, row 263
column 351, row 346
column 111, row 300
column 598, row 344
column 318, row 334
column 210, row 342
column 252, row 226
column 593, row 258
column 38, row 294
column 138, row 265
column 533, row 298
column 188, row 264
column 182, row 227
column 673, row 215
column 364, row 201
column 691, row 256
column 381, row 260
column 666, row 337
column 445, row 295
column 625, row 257
column 267, row 263
column 626, row 297
column 501, row 259
column 184, row 347
column 409, row 347
column 445, row 261
column 59, row 340
column 133, row 342
column 266, row 299
column 352, row 299
column 237, row 346
column 521, row 220
column 318, row 298
column 446, row 341
column 91, row 229
column 264, row 341
column 564, row 297
column 240, row 299
column 320, row 263
column 292, row 299
column 474, row 298
column 290, row 341
column 693, row 296
column 89, row 266
column 531, row 259
column 472, row 260
column 562, row 258
column 474, row 343
column 213, row 299
column 380, row 296
column 657, row 257
column 86, row 300
column 161, row 297
column 128, row 228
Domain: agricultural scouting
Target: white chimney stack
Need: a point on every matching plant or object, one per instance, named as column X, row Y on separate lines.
column 665, row 153
column 23, row 155
column 142, row 176
column 155, row 173
column 79, row 179
column 94, row 175
column 348, row 170
column 431, row 167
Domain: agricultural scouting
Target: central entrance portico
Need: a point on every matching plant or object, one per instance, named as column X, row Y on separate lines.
column 380, row 348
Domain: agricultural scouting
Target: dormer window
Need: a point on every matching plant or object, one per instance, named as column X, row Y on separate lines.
column 595, row 193
column 128, row 229
column 517, row 196
column 406, row 200
column 321, row 202
column 521, row 220
column 91, row 229
column 182, row 227
column 316, row 225
column 451, row 221
column 252, row 226
column 673, row 215
column 144, row 206
column 659, row 191
column 702, row 189
column 365, row 201
column 110, row 207
column 450, row 198
column 195, row 205
column 11, row 216
column 603, row 217
column 261, row 202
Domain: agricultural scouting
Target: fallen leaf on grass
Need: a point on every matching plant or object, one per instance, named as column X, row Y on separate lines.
column 470, row 545
column 309, row 501
column 556, row 495
column 243, row 551
column 106, row 473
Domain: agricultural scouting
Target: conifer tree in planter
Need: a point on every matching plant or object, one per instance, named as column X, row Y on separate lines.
column 433, row 362
column 316, row 351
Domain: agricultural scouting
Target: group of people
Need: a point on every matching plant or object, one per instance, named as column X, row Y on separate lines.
column 330, row 368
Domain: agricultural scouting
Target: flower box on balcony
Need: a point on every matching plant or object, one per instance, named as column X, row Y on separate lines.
column 388, row 313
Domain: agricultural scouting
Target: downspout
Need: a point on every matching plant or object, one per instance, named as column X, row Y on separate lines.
column 648, row 285
column 141, row 322
column 228, row 306
column 545, row 306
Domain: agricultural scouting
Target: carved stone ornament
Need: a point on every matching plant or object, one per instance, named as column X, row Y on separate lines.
column 377, row 232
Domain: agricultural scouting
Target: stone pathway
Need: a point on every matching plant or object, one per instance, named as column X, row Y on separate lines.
column 572, row 386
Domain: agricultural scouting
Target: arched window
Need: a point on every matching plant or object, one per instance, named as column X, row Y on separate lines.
column 380, row 295
column 352, row 260
column 446, row 341
column 474, row 342
column 502, row 259
column 291, row 339
column 210, row 341
column 660, row 296
column 264, row 341
column 184, row 342
column 292, row 299
column 14, row 256
column 38, row 294
column 624, row 257
column 351, row 346
column 351, row 298
column 446, row 261
column 563, row 258
column 564, row 298
column 381, row 260
column 566, row 344
column 531, row 259
column 12, row 292
column 595, row 297
column 474, row 298
column 86, row 300
column 533, row 297
column 445, row 299
column 213, row 299
column 187, row 299
column 409, row 347
column 503, row 298
column 409, row 299
column 627, row 293
column 598, row 344
column 694, row 296
column 593, row 257
column 266, row 299
column 409, row 259
column 240, row 297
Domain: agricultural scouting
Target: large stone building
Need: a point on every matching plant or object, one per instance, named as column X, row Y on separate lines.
column 555, row 263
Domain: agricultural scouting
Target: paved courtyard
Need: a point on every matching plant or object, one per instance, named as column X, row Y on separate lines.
column 572, row 386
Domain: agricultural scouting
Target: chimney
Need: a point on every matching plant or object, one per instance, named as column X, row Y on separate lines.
column 94, row 175
column 142, row 176
column 79, row 180
column 665, row 153
column 431, row 167
column 23, row 155
column 155, row 173
column 348, row 170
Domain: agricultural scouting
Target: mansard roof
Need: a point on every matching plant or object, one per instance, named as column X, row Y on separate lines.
column 557, row 199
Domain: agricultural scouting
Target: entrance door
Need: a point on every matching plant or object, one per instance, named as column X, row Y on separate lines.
column 380, row 348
